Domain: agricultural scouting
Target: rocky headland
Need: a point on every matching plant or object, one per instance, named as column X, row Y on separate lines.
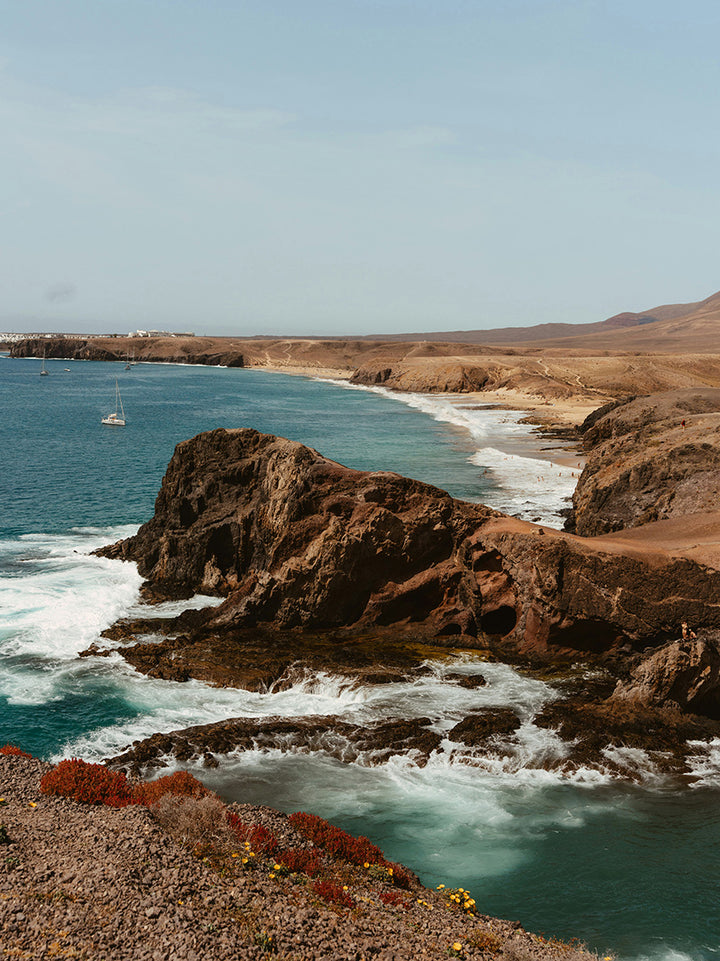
column 365, row 574
column 647, row 459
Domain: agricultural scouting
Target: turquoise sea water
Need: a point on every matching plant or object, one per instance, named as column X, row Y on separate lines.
column 630, row 868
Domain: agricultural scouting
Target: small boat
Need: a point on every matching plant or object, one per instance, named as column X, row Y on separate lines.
column 117, row 418
column 43, row 372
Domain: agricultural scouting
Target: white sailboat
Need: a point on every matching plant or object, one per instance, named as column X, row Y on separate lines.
column 43, row 372
column 117, row 418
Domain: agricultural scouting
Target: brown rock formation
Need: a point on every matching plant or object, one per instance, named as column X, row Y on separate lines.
column 169, row 350
column 331, row 735
column 437, row 378
column 683, row 674
column 259, row 658
column 590, row 728
column 296, row 540
column 479, row 727
column 649, row 459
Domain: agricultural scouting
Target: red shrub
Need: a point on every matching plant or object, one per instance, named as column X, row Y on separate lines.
column 337, row 843
column 181, row 783
column 401, row 876
column 334, row 893
column 300, row 861
column 89, row 783
column 393, row 899
column 261, row 840
column 13, row 751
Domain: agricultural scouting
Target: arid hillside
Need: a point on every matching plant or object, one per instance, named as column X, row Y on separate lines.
column 691, row 326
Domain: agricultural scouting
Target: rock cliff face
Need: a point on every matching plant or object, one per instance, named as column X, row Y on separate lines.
column 453, row 375
column 649, row 459
column 684, row 674
column 188, row 350
column 295, row 540
column 441, row 378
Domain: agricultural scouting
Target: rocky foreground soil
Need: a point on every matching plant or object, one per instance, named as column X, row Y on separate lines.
column 171, row 882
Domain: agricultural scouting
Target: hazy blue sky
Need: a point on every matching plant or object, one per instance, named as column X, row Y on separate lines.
column 339, row 166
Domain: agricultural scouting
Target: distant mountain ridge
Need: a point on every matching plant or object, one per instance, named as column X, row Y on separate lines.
column 581, row 335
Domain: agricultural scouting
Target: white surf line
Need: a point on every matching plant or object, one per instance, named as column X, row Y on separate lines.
column 531, row 486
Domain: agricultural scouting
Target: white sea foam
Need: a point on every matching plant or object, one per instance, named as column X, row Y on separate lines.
column 173, row 608
column 704, row 766
column 60, row 597
column 454, row 802
column 664, row 953
column 55, row 603
column 528, row 486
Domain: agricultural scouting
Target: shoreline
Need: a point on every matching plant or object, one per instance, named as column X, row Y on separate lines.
column 548, row 439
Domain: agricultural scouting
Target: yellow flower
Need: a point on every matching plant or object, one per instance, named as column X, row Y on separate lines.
column 457, row 946
column 345, row 887
column 440, row 887
column 272, row 875
column 234, row 855
column 32, row 804
column 277, row 867
column 366, row 865
column 390, row 870
column 244, row 860
column 181, row 902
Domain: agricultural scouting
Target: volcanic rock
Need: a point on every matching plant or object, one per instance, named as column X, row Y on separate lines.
column 294, row 540
column 650, row 458
column 597, row 734
column 376, row 742
column 177, row 350
column 478, row 728
column 683, row 674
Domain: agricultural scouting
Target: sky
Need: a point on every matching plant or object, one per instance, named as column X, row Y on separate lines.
column 354, row 166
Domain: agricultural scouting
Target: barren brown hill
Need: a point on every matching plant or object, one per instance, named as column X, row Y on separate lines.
column 696, row 329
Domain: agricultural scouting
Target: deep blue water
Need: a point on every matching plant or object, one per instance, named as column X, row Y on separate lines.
column 62, row 468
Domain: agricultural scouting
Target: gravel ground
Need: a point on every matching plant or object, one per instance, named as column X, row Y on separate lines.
column 90, row 882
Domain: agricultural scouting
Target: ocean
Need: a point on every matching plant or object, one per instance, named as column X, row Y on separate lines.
column 628, row 866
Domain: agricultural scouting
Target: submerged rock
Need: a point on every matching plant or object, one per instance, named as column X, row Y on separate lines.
column 478, row 728
column 374, row 742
